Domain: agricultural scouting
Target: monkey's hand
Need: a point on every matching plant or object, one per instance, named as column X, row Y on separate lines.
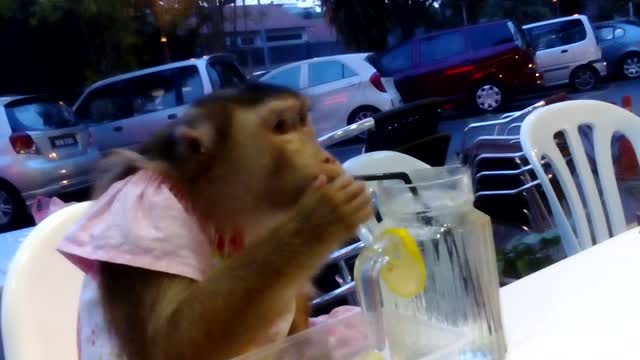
column 329, row 213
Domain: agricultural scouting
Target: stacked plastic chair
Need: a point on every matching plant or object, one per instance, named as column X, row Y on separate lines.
column 506, row 187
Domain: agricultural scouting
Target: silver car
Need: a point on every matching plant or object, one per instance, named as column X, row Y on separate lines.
column 123, row 111
column 620, row 43
column 43, row 151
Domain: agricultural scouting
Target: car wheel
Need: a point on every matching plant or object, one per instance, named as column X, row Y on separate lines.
column 12, row 208
column 631, row 66
column 488, row 97
column 584, row 78
column 362, row 113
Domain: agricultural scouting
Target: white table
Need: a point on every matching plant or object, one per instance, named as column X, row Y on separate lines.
column 9, row 244
column 584, row 307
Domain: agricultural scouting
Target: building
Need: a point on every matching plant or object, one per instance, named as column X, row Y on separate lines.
column 264, row 36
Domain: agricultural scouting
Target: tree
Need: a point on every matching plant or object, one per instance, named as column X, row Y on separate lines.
column 121, row 35
column 361, row 24
column 373, row 25
column 108, row 29
column 520, row 11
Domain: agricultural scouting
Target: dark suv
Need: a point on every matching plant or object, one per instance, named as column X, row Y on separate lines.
column 481, row 65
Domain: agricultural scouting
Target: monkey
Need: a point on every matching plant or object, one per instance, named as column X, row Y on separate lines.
column 201, row 244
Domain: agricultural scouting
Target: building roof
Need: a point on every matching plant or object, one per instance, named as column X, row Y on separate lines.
column 259, row 17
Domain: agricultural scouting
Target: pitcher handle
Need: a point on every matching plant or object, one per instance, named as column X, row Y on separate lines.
column 368, row 268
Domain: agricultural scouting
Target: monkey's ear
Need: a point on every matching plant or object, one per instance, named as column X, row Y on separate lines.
column 194, row 140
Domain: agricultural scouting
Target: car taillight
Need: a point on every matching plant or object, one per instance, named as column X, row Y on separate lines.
column 376, row 81
column 23, row 144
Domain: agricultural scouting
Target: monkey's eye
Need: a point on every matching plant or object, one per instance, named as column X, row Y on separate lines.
column 280, row 126
column 303, row 119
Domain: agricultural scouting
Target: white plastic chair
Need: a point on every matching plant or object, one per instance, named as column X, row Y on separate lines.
column 380, row 162
column 41, row 294
column 537, row 138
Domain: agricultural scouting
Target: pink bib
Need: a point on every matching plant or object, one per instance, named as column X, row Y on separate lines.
column 137, row 222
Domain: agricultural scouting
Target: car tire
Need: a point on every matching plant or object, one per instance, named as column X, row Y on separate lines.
column 488, row 97
column 584, row 78
column 630, row 66
column 360, row 114
column 13, row 210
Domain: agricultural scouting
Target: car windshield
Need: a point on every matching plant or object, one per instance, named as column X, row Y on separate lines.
column 39, row 115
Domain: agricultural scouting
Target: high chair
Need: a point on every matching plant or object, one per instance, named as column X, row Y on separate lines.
column 41, row 294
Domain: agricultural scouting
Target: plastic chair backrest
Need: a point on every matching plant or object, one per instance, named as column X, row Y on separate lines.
column 41, row 294
column 537, row 139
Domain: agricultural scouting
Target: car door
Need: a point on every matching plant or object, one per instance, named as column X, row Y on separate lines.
column 134, row 108
column 605, row 34
column 160, row 98
column 287, row 76
column 105, row 110
column 332, row 88
column 446, row 67
column 399, row 64
column 439, row 70
column 558, row 48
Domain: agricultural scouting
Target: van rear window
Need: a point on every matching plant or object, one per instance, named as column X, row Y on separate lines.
column 39, row 115
column 396, row 60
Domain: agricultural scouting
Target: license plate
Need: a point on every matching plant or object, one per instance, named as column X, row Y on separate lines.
column 63, row 141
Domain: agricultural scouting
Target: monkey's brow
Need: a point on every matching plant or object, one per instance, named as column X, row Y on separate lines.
column 296, row 107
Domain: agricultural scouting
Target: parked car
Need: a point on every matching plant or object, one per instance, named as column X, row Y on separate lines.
column 620, row 44
column 343, row 89
column 44, row 152
column 481, row 65
column 123, row 111
column 567, row 52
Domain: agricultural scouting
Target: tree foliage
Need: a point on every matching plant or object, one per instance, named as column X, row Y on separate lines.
column 373, row 25
column 520, row 11
column 121, row 35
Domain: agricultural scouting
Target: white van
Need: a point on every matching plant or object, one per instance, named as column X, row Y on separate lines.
column 125, row 110
column 567, row 52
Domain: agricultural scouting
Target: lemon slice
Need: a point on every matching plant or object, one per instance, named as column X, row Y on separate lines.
column 404, row 274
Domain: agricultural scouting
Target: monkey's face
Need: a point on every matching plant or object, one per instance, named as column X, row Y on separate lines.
column 276, row 152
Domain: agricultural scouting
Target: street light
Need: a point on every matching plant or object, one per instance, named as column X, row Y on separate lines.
column 165, row 48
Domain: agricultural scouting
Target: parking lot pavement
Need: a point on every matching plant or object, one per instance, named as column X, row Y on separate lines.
column 610, row 92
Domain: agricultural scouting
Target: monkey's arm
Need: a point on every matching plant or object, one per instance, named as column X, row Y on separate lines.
column 160, row 316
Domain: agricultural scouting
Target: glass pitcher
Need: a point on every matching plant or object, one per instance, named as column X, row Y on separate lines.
column 456, row 245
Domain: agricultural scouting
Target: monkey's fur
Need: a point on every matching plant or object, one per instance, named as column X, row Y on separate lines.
column 244, row 158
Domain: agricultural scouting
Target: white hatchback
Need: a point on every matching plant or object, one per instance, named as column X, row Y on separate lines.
column 343, row 89
column 567, row 51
